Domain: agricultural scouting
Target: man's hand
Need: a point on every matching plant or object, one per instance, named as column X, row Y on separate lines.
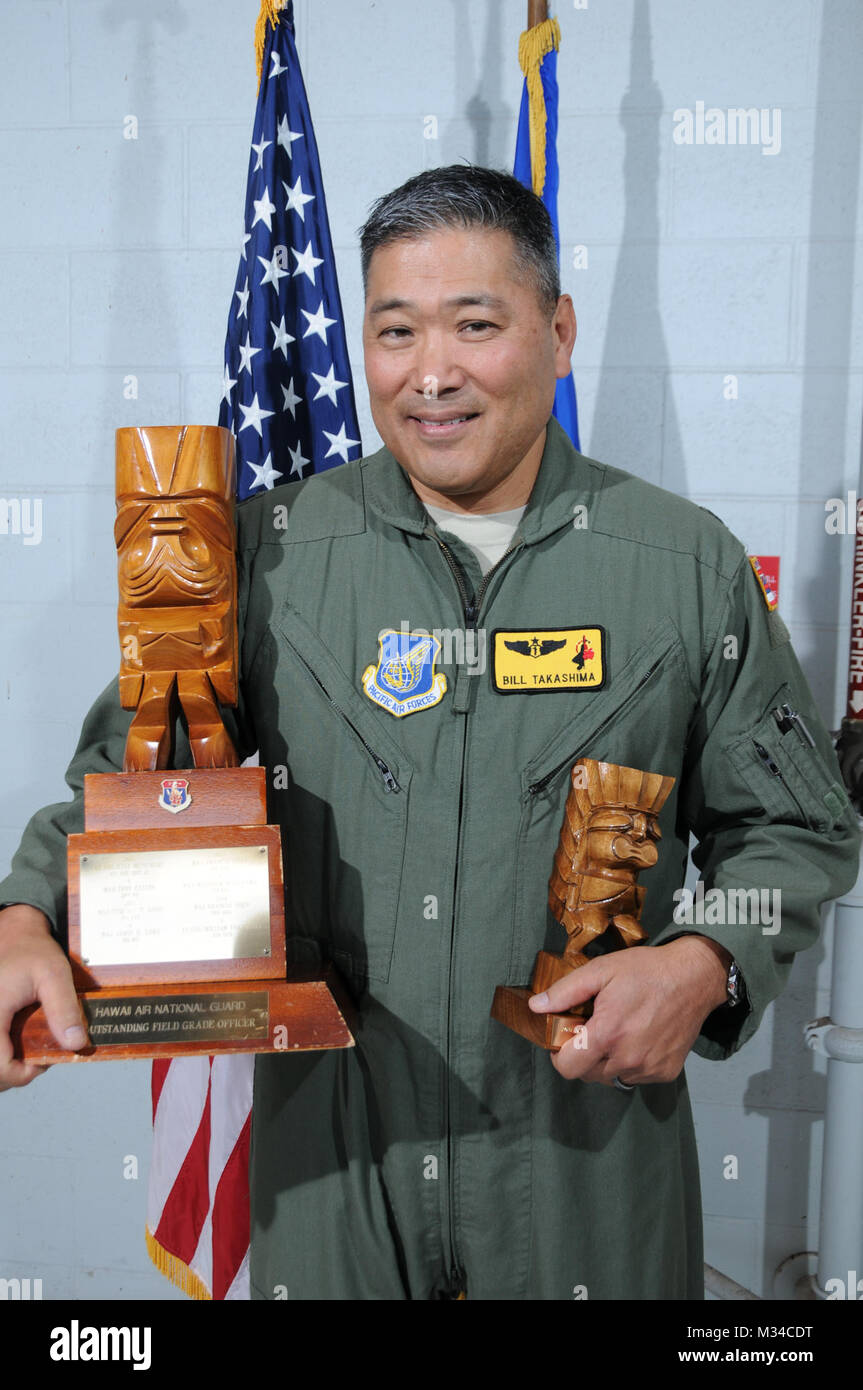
column 33, row 969
column 650, row 1003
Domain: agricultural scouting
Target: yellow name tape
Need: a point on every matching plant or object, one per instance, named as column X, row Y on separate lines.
column 530, row 659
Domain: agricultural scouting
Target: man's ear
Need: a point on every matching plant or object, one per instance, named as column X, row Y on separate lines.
column 565, row 329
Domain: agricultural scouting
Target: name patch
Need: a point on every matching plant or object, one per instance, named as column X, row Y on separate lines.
column 534, row 659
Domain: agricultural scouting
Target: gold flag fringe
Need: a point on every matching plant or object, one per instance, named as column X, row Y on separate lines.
column 532, row 48
column 175, row 1269
column 269, row 15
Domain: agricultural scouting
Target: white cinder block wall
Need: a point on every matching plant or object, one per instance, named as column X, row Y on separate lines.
column 700, row 263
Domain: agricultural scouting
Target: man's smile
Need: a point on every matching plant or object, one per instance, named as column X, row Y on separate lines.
column 431, row 426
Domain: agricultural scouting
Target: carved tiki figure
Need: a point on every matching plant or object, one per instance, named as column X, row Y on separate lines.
column 178, row 589
column 609, row 834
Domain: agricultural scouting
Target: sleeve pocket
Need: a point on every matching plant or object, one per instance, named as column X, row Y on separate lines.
column 790, row 777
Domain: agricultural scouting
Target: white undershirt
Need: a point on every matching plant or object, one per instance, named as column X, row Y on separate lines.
column 487, row 534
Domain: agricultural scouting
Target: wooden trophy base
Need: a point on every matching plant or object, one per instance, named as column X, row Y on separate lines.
column 305, row 1013
column 551, row 1031
column 154, row 884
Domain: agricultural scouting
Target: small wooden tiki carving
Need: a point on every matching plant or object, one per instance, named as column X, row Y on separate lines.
column 178, row 589
column 608, row 836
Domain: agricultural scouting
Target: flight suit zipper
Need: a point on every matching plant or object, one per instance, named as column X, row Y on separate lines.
column 536, row 787
column 389, row 781
column 770, row 763
column 471, row 605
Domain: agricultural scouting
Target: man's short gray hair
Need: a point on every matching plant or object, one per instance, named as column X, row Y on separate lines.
column 467, row 195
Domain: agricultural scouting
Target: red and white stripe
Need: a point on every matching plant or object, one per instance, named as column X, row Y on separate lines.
column 198, row 1200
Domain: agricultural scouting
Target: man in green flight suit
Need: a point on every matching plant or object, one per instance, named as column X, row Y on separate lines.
column 427, row 764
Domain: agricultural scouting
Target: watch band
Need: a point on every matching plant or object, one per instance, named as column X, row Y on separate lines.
column 734, row 985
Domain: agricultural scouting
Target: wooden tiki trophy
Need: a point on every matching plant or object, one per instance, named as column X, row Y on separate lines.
column 608, row 836
column 178, row 590
column 176, row 896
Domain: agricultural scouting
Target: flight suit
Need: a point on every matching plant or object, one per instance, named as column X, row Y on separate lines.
column 444, row 1154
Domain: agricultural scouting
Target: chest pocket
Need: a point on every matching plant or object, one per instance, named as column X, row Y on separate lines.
column 640, row 720
column 345, row 814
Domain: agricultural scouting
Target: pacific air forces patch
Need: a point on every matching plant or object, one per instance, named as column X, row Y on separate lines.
column 404, row 679
column 534, row 659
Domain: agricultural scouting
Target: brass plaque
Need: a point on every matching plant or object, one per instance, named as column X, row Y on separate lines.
column 154, row 1018
column 146, row 907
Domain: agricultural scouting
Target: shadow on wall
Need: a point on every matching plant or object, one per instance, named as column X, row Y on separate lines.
column 134, row 29
column 634, row 315
column 484, row 134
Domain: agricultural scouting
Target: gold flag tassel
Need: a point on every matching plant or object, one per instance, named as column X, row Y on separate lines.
column 176, row 1269
column 532, row 48
column 269, row 15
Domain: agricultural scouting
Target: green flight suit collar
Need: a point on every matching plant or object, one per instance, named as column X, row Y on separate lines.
column 563, row 482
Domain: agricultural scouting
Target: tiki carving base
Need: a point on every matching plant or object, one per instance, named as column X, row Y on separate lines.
column 609, row 834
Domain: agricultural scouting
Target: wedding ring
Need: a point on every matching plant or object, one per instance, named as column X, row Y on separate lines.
column 622, row 1085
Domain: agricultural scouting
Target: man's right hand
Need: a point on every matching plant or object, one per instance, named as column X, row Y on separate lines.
column 34, row 969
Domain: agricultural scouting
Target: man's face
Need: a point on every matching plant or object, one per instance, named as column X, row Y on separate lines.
column 461, row 361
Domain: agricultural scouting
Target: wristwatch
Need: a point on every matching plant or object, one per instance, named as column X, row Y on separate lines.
column 734, row 985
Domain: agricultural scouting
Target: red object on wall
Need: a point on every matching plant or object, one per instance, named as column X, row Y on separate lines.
column 854, row 708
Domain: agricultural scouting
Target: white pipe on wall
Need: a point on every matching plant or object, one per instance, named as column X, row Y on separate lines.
column 840, row 1246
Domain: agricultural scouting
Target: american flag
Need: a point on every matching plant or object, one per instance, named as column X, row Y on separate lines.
column 288, row 398
column 287, row 393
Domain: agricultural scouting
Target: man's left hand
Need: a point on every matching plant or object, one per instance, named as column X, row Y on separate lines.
column 649, row 1005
